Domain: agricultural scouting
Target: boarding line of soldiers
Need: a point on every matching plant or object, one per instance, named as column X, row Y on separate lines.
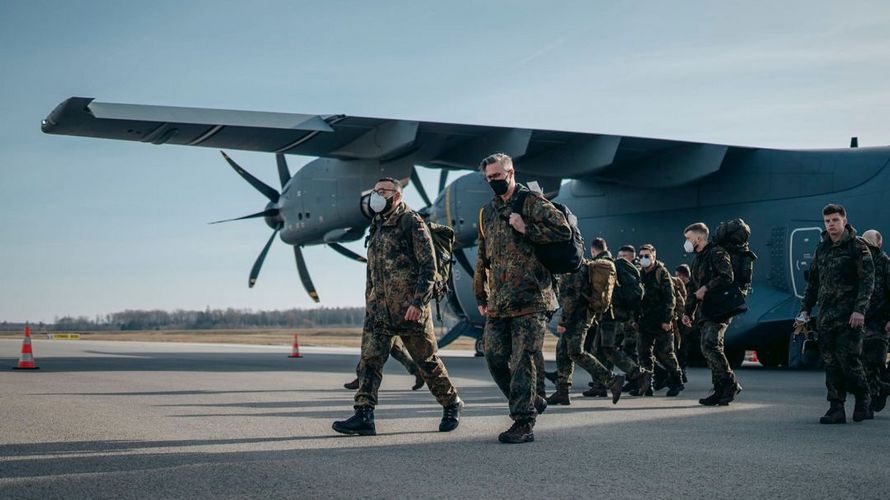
column 517, row 296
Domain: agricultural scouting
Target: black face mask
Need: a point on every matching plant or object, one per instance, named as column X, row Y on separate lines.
column 499, row 186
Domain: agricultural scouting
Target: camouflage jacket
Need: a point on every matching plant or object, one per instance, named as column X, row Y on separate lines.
column 712, row 268
column 401, row 271
column 879, row 305
column 509, row 280
column 680, row 295
column 574, row 296
column 841, row 277
column 658, row 297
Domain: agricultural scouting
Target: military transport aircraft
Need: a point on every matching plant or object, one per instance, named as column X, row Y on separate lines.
column 625, row 189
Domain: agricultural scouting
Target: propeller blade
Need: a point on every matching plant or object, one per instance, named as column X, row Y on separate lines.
column 304, row 274
column 269, row 212
column 283, row 171
column 340, row 249
column 259, row 185
column 255, row 270
column 443, row 179
column 464, row 262
column 415, row 179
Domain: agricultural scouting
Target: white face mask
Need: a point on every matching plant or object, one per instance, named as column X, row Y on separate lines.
column 645, row 262
column 688, row 246
column 378, row 203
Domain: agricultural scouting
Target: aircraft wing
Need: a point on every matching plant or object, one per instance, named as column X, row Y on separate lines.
column 655, row 162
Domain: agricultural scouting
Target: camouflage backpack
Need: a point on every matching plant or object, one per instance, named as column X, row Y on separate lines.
column 628, row 295
column 733, row 237
column 603, row 277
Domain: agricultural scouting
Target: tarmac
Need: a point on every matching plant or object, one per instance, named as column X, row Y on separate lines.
column 155, row 420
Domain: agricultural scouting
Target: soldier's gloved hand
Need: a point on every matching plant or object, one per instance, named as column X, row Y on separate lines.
column 857, row 320
column 483, row 311
column 666, row 327
column 413, row 314
column 517, row 223
column 560, row 329
column 687, row 321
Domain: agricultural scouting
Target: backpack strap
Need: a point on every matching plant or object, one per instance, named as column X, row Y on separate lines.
column 518, row 205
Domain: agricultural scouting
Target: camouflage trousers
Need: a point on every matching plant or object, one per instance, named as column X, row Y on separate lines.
column 655, row 343
column 376, row 348
column 398, row 352
column 612, row 334
column 712, row 349
column 874, row 358
column 841, row 349
column 512, row 351
column 570, row 350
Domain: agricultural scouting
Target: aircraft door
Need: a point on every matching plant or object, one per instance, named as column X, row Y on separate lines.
column 803, row 243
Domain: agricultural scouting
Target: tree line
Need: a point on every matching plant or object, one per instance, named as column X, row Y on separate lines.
column 208, row 319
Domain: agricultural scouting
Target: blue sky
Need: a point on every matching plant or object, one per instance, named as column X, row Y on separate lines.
column 90, row 226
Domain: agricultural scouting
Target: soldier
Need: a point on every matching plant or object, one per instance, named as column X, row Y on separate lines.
column 711, row 269
column 514, row 290
column 656, row 320
column 877, row 325
column 617, row 333
column 683, row 332
column 401, row 274
column 400, row 353
column 840, row 282
column 574, row 323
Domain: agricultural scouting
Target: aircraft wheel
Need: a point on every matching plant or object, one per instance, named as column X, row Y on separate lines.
column 773, row 358
column 479, row 348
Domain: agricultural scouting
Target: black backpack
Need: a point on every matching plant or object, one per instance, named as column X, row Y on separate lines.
column 562, row 256
column 628, row 294
column 733, row 237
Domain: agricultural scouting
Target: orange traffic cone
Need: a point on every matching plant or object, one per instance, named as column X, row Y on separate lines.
column 295, row 350
column 26, row 359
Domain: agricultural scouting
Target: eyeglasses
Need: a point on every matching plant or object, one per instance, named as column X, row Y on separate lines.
column 645, row 256
column 384, row 191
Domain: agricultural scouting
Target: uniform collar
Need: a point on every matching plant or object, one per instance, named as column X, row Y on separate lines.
column 848, row 234
column 391, row 218
column 499, row 202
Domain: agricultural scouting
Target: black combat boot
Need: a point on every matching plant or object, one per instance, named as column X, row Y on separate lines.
column 451, row 416
column 645, row 381
column 418, row 381
column 878, row 403
column 731, row 389
column 540, row 404
column 362, row 423
column 685, row 379
column 560, row 397
column 519, row 432
column 862, row 410
column 674, row 387
column 351, row 385
column 615, row 388
column 714, row 398
column 595, row 392
column 553, row 377
column 835, row 414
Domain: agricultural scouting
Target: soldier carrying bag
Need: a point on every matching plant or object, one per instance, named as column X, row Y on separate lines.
column 562, row 256
column 733, row 237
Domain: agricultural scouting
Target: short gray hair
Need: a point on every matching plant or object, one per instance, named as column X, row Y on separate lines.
column 501, row 159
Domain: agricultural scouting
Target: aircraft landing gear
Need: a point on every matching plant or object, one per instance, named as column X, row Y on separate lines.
column 479, row 352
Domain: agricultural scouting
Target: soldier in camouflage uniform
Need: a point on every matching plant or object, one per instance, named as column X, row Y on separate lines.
column 711, row 270
column 399, row 353
column 617, row 335
column 514, row 290
column 840, row 283
column 877, row 325
column 656, row 339
column 575, row 321
column 401, row 274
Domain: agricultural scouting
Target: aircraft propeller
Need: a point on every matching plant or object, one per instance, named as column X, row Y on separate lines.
column 272, row 215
